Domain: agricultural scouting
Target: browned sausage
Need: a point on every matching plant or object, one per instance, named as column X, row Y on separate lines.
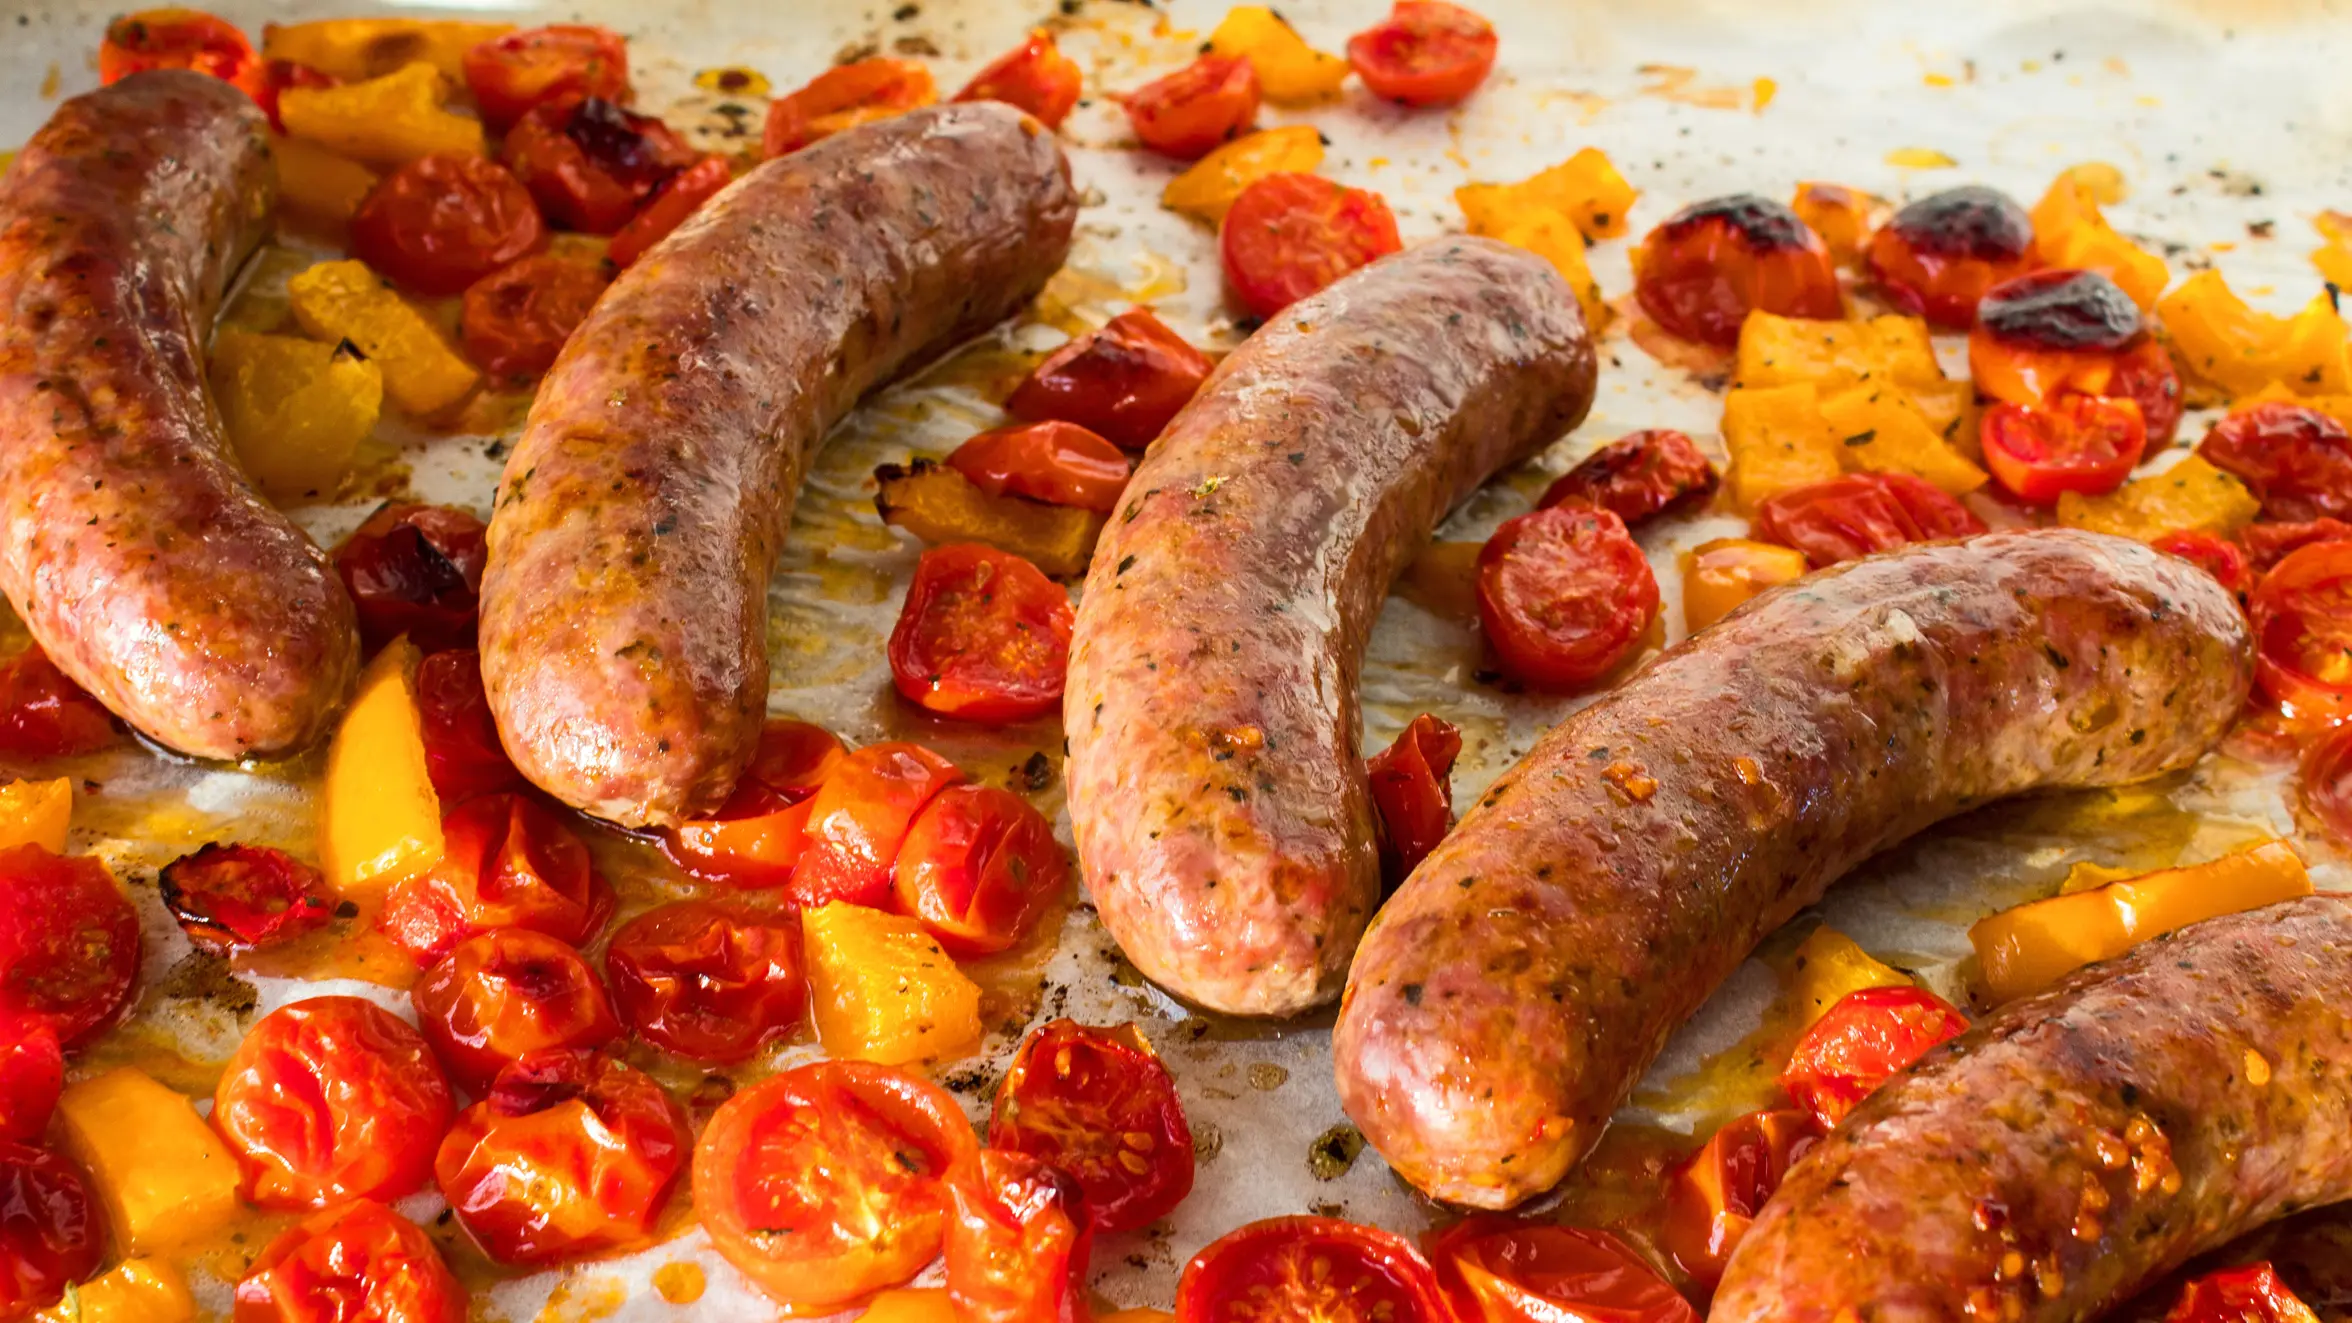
column 130, row 540
column 2074, row 1146
column 1520, row 982
column 625, row 603
column 1219, row 799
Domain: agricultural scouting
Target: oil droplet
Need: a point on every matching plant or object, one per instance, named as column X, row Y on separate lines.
column 679, row 1283
column 1766, row 89
column 732, row 80
column 1266, row 1077
column 1919, row 158
column 2257, row 1068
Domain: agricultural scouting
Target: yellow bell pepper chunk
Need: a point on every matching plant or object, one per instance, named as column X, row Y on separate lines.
column 133, row 1291
column 2024, row 950
column 355, row 48
column 379, row 818
column 317, row 188
column 940, row 505
column 2071, row 231
column 882, row 990
column 1778, row 441
column 1881, row 431
column 1206, row 190
column 166, row 1179
column 385, row 121
column 1551, row 236
column 1949, row 407
column 1718, row 576
column 423, row 373
column 1840, row 215
column 910, row 1304
column 2241, row 349
column 2191, row 495
column 1827, row 968
column 1778, row 351
column 36, row 813
column 1586, row 188
column 296, row 410
column 1290, row 72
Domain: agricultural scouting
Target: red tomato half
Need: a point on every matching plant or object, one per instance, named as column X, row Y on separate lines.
column 1055, row 462
column 858, row 819
column 979, row 867
column 1497, row 1270
column 2297, row 460
column 669, row 208
column 1565, row 595
column 1018, row 1245
column 1638, row 475
column 32, row 1075
column 1034, row 76
column 513, row 72
column 2217, row 556
column 517, row 319
column 1425, row 53
column 356, row 1262
column 1284, row 1269
column 52, row 1231
column 175, row 39
column 507, row 861
column 69, row 944
column 983, row 636
column 1098, row 1104
column 415, row 570
column 440, row 223
column 1701, row 273
column 2267, row 543
column 1866, row 1039
column 708, row 980
column 45, row 715
column 2071, row 443
column 1289, row 235
column 1939, row 255
column 2302, row 618
column 1859, row 514
column 505, row 994
column 2144, row 374
column 1713, row 1196
column 276, row 77
column 757, row 837
column 1122, row 382
column 463, row 756
column 844, row 97
column 1196, row 109
column 244, row 897
column 1412, row 793
column 331, row 1099
column 591, row 164
column 2252, row 1294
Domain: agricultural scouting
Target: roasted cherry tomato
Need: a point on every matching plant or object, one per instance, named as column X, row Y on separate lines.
column 590, row 163
column 176, row 39
column 1035, row 76
column 2144, row 374
column 708, row 980
column 1054, row 462
column 1122, row 382
column 1859, row 514
column 859, row 817
column 825, row 1184
column 1098, row 1104
column 1283, row 1269
column 979, row 867
column 1938, row 256
column 505, row 994
column 507, row 862
column 844, row 97
column 415, row 570
column 514, row 72
column 669, row 208
column 1498, row 1270
column 1565, row 595
column 463, row 757
column 2069, row 443
column 2052, row 331
column 1425, row 53
column 2297, row 460
column 758, row 835
column 2267, row 543
column 1714, row 1194
column 45, row 715
column 1196, row 109
column 244, row 897
column 983, row 636
column 1840, row 215
column 1860, row 1043
column 69, row 943
column 515, row 320
column 1018, row 1244
column 1289, row 235
column 1638, row 475
column 440, row 223
column 276, row 77
column 331, row 1099
column 569, row 1153
column 2302, row 618
column 52, row 1232
column 2218, row 556
column 32, row 1075
column 2326, row 789
column 356, row 1262
column 1701, row 273
column 2251, row 1294
column 1412, row 793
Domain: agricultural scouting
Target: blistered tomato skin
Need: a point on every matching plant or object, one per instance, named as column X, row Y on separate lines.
column 2060, row 309
column 356, row 1262
column 1851, row 517
column 505, row 994
column 2070, row 443
column 415, row 570
column 1098, row 1104
column 983, row 636
column 1196, row 109
column 1056, row 462
column 706, row 980
column 1412, row 793
column 2301, row 613
column 440, row 223
column 1425, row 53
column 1289, row 235
column 591, row 164
column 175, row 39
column 2297, row 460
column 52, row 1232
column 1637, row 476
column 1122, row 382
column 755, row 840
column 858, row 819
column 69, row 944
column 979, row 868
column 514, row 72
column 1937, row 256
column 463, row 757
column 844, row 97
column 2251, row 1294
column 508, row 861
column 1707, row 267
column 244, row 897
column 1017, row 1246
column 1498, row 1270
column 1860, row 1043
column 1714, row 1195
column 2145, row 375
column 32, row 1075
column 1564, row 595
column 1034, row 76
column 45, row 715
column 516, row 319
column 2218, row 556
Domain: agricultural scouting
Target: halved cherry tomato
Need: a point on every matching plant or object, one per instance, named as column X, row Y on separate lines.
column 440, row 223
column 2251, row 1294
column 502, row 995
column 517, row 319
column 1701, row 273
column 1860, row 1043
column 2326, row 783
column 415, row 570
column 844, row 97
column 1289, row 235
column 2297, row 460
column 570, row 1153
column 329, row 1099
column 591, row 164
column 669, row 208
column 1196, row 109
column 175, row 39
column 1713, row 1195
column 1098, row 1104
column 979, row 867
column 463, row 757
column 2302, row 618
column 1412, row 793
column 759, row 834
column 2052, row 331
column 69, row 943
column 244, row 897
column 1500, row 1270
column 276, row 77
column 1425, row 53
column 1034, row 76
column 859, row 817
column 825, row 1184
column 32, row 1075
column 1565, row 595
column 2144, row 374
column 1283, row 1269
column 1638, row 475
column 708, row 980
column 2070, row 443
column 1122, row 382
column 1860, row 514
column 52, row 1232
column 516, row 71
column 1937, row 256
column 983, row 636
column 45, row 715
column 1055, row 462
column 2267, row 543
column 507, row 862
column 357, row 1262
column 2217, row 556
column 1017, row 1248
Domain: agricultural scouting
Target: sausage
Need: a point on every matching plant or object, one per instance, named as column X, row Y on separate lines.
column 625, row 598
column 1526, row 974
column 131, row 542
column 1217, row 795
column 2076, row 1145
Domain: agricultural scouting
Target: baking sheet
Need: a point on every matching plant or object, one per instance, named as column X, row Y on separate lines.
column 2229, row 120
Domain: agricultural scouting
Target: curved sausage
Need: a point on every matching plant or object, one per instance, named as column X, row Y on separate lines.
column 2074, row 1146
column 1524, row 977
column 625, row 600
column 139, row 556
column 1219, row 801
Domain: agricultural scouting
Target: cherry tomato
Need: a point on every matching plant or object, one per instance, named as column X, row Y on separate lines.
column 1565, row 595
column 1860, row 514
column 415, row 570
column 844, row 97
column 440, row 223
column 2217, row 556
column 1098, row 1104
column 463, row 757
column 517, row 319
column 1018, row 1245
column 825, row 1184
column 507, row 862
column 1840, row 215
column 2302, row 618
column 2251, row 1294
column 1284, row 1269
column 1425, row 53
column 859, row 817
column 1289, row 235
column 2052, row 331
column 2070, row 443
column 1122, row 382
column 708, row 980
column 356, row 1262
column 2144, row 374
column 1701, row 273
column 591, row 164
column 1713, row 1195
column 2326, row 789
column 1938, row 255
column 1054, row 462
column 175, row 39
column 69, row 943
column 329, row 1099
column 32, row 1075
column 505, row 994
column 1860, row 1043
column 759, row 834
column 570, row 1153
column 51, row 1230
column 45, row 715
column 1412, row 793
column 983, row 636
column 514, row 72
column 1497, row 1270
column 2267, row 543
column 669, row 208
column 244, row 897
column 979, row 867
column 2297, row 460
column 1638, row 475
column 276, row 77
column 1196, row 109
column 1034, row 76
